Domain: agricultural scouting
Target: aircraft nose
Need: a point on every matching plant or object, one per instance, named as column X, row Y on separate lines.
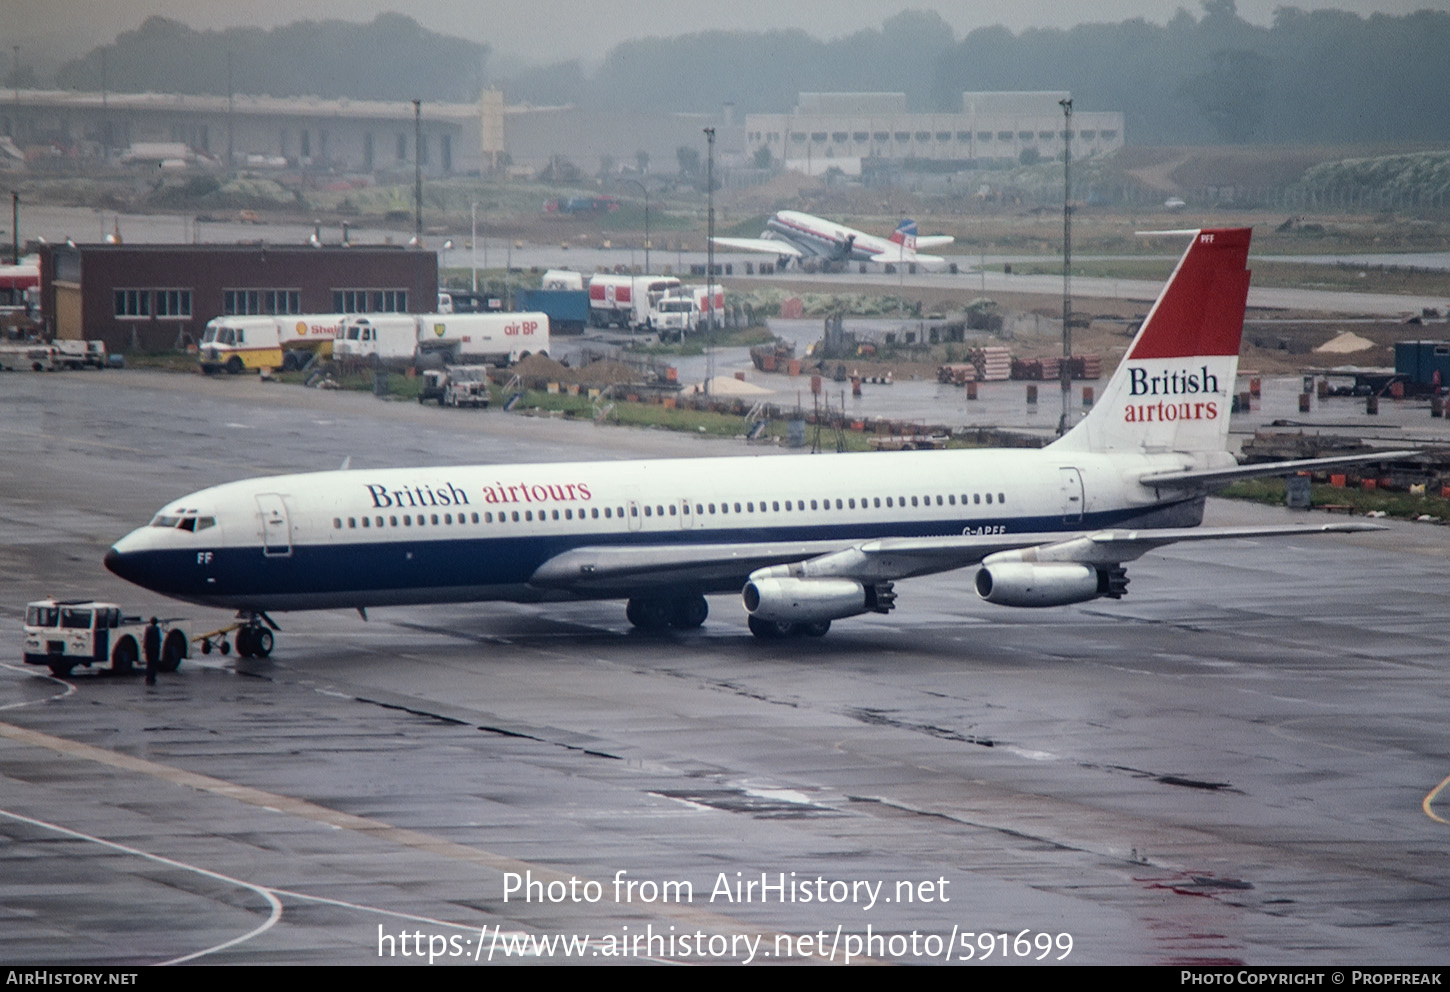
column 115, row 561
column 121, row 560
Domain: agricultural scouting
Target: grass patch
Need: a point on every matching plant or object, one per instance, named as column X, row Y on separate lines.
column 166, row 361
column 1395, row 504
column 655, row 416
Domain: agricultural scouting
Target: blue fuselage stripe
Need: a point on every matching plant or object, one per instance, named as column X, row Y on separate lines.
column 476, row 557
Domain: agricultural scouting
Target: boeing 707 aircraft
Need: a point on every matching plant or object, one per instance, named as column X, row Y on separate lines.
column 805, row 539
column 790, row 235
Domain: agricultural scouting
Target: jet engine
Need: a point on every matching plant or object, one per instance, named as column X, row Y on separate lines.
column 788, row 600
column 1017, row 583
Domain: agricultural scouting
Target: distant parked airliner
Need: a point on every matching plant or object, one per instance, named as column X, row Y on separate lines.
column 790, row 235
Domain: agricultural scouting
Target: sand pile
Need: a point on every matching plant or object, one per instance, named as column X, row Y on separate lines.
column 1344, row 344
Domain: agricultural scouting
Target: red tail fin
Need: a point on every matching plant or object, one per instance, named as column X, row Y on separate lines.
column 1174, row 388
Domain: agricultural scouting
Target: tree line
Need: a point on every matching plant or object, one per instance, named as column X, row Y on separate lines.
column 1309, row 77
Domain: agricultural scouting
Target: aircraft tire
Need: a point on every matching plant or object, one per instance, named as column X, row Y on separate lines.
column 689, row 612
column 244, row 642
column 261, row 643
column 815, row 628
column 770, row 630
column 123, row 659
column 648, row 614
column 172, row 651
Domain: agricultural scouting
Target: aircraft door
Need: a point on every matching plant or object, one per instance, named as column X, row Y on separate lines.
column 1073, row 497
column 276, row 527
column 635, row 520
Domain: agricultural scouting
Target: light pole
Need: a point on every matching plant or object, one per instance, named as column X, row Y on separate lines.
column 1065, row 372
column 645, row 190
column 709, row 251
column 15, row 226
column 231, row 106
column 418, row 170
column 473, row 244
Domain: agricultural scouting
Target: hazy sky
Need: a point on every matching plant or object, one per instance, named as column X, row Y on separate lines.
column 545, row 31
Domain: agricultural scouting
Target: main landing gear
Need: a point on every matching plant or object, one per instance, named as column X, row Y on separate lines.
column 771, row 630
column 658, row 612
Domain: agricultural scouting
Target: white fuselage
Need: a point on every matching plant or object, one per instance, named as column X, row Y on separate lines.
column 821, row 238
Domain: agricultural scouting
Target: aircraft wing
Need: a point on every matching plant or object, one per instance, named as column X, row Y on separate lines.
column 767, row 245
column 607, row 568
column 1210, row 478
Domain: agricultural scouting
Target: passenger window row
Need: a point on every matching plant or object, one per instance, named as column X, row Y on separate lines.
column 657, row 510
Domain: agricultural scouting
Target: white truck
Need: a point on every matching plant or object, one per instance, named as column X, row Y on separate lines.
column 472, row 338
column 684, row 312
column 675, row 318
column 627, row 301
column 233, row 344
column 378, row 339
column 33, row 355
column 73, row 353
column 64, row 633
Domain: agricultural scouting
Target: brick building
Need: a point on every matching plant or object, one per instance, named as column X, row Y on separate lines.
column 156, row 297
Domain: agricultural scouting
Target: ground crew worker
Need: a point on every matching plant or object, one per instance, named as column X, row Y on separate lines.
column 151, row 647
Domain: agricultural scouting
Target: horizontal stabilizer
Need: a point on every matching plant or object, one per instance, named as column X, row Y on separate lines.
column 1113, row 547
column 1211, row 478
column 933, row 241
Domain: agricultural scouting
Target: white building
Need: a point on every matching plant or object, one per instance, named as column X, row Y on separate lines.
column 841, row 129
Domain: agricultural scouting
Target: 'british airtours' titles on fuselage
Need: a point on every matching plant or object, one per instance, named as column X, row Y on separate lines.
column 449, row 494
column 1176, row 383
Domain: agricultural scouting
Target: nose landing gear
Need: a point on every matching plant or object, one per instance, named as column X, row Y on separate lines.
column 251, row 631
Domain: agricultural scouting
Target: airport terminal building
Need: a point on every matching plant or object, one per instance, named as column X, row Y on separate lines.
column 841, row 130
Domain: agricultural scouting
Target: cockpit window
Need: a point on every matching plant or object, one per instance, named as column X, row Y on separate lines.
column 185, row 521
